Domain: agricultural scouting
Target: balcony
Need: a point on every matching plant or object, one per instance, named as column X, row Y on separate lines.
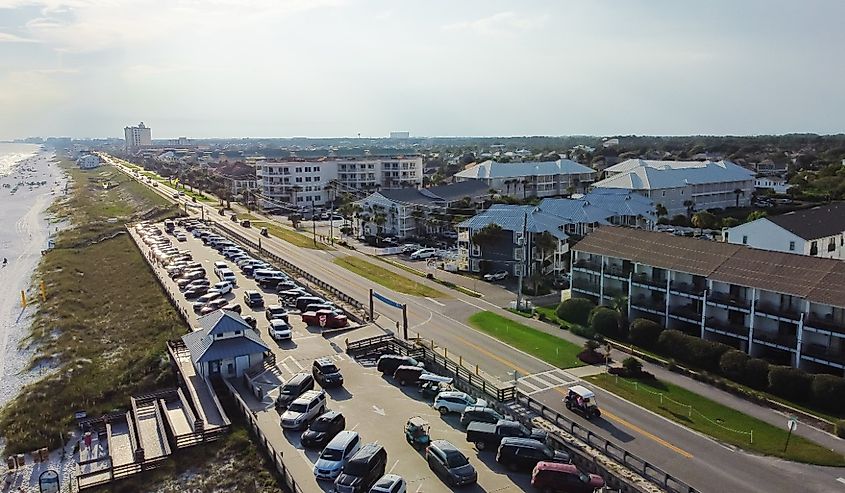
column 617, row 272
column 649, row 305
column 586, row 286
column 774, row 310
column 728, row 327
column 819, row 351
column 729, row 301
column 785, row 341
column 691, row 289
column 643, row 279
column 825, row 322
column 612, row 293
column 687, row 312
column 587, row 265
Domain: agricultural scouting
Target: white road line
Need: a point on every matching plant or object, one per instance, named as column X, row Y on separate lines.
column 356, row 425
column 841, row 480
column 419, row 488
column 554, row 376
column 547, row 384
column 473, row 304
column 394, row 466
column 529, row 384
column 434, row 301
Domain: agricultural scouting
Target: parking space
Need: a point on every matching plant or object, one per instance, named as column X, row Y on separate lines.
column 374, row 406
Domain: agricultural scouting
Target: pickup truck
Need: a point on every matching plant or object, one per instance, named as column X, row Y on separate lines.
column 488, row 435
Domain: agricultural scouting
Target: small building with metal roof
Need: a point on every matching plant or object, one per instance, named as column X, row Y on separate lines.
column 224, row 345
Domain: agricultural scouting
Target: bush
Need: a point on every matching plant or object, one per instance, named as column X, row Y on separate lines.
column 575, row 310
column 756, row 374
column 591, row 345
column 732, row 364
column 692, row 350
column 633, row 366
column 679, row 220
column 605, row 321
column 644, row 332
column 582, row 331
column 828, row 392
column 839, row 428
column 790, row 383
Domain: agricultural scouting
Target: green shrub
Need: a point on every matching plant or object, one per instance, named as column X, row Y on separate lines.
column 606, row 321
column 591, row 345
column 692, row 350
column 632, row 366
column 644, row 332
column 756, row 374
column 575, row 310
column 839, row 428
column 732, row 364
column 582, row 331
column 790, row 383
column 828, row 392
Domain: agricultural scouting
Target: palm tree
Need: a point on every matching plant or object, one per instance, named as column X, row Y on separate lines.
column 619, row 303
column 379, row 219
column 419, row 216
column 524, row 188
column 486, row 236
column 661, row 210
column 738, row 192
column 545, row 242
column 690, row 205
column 702, row 220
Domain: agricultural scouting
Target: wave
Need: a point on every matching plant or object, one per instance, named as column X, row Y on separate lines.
column 8, row 160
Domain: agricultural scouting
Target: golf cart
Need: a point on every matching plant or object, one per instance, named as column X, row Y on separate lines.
column 431, row 384
column 416, row 432
column 583, row 400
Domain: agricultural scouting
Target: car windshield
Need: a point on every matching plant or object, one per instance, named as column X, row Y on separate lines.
column 456, row 459
column 583, row 477
column 288, row 389
column 356, row 468
column 471, row 400
column 321, row 425
column 547, row 452
column 524, row 430
column 331, row 454
column 330, row 369
column 298, row 407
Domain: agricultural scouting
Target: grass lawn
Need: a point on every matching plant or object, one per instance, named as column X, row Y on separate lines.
column 550, row 311
column 768, row 439
column 420, row 273
column 386, row 278
column 551, row 349
column 290, row 236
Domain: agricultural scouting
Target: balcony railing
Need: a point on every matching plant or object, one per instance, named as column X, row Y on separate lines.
column 825, row 322
column 589, row 265
column 688, row 288
column 592, row 287
column 822, row 352
column 687, row 311
column 649, row 304
column 615, row 270
column 789, row 341
column 727, row 299
column 777, row 311
column 643, row 278
column 727, row 326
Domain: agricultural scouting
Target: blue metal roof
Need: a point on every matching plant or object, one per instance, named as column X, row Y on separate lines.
column 221, row 322
column 204, row 345
column 513, row 218
column 494, row 169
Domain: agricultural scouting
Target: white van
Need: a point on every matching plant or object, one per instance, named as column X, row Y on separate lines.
column 261, row 274
column 423, row 253
column 304, row 409
column 339, row 450
column 227, row 275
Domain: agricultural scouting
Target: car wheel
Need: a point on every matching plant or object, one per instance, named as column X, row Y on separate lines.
column 480, row 445
column 402, row 382
column 443, row 410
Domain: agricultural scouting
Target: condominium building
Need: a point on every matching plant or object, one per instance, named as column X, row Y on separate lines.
column 677, row 184
column 306, row 182
column 789, row 309
column 531, row 179
column 137, row 137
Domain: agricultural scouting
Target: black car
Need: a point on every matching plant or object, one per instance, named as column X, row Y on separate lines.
column 480, row 413
column 388, row 363
column 286, row 285
column 362, row 470
column 525, row 453
column 450, row 463
column 326, row 373
column 234, row 307
column 253, row 298
column 293, row 388
column 323, row 429
column 195, row 293
column 276, row 311
column 251, row 321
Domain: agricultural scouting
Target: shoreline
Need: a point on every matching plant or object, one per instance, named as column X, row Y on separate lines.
column 25, row 230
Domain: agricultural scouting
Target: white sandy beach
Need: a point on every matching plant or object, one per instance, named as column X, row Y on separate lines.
column 24, row 233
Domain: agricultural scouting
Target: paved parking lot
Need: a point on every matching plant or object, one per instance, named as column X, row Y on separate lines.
column 374, row 406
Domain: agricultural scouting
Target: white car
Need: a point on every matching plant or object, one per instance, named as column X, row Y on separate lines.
column 423, row 253
column 280, row 330
column 498, row 276
column 455, row 402
column 304, row 409
column 222, row 287
column 334, row 456
column 227, row 275
column 389, row 483
column 220, row 265
column 181, row 237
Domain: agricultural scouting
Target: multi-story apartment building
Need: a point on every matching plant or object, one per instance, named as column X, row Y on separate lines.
column 789, row 309
column 675, row 184
column 531, row 179
column 817, row 232
column 137, row 137
column 306, row 182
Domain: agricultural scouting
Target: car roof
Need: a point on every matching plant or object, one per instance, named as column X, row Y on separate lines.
column 325, row 361
column 452, row 393
column 367, row 451
column 387, row 481
column 275, row 307
column 329, row 415
column 298, row 378
column 308, row 396
column 557, row 466
column 251, row 292
column 445, row 446
column 522, row 442
column 582, row 391
column 341, row 439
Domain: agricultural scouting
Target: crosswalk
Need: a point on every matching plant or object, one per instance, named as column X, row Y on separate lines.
column 540, row 382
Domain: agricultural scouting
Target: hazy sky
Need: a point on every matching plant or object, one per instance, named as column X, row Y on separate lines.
column 339, row 67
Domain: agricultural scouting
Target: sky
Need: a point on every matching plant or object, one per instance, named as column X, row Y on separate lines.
column 326, row 68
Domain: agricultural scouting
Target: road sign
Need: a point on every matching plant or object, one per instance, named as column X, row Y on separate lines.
column 791, row 424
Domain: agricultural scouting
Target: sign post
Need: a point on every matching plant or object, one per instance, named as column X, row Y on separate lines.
column 791, row 424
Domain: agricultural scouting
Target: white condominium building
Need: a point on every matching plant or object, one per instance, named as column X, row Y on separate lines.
column 305, row 182
column 137, row 137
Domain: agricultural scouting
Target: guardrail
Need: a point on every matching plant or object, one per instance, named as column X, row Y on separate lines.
column 275, row 457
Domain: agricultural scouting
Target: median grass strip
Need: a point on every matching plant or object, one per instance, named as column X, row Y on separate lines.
column 386, row 278
column 720, row 422
column 420, row 273
column 551, row 349
column 292, row 237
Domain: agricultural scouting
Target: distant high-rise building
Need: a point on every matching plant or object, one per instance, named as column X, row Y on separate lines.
column 400, row 135
column 137, row 137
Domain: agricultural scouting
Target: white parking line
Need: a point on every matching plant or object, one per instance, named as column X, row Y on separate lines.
column 394, row 466
column 841, row 480
column 356, row 425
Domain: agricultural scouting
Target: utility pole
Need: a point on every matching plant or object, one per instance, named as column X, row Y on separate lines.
column 331, row 215
column 313, row 224
column 522, row 263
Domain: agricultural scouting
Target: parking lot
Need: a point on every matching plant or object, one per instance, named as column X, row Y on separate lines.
column 374, row 406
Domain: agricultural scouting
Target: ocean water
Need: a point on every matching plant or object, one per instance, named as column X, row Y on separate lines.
column 12, row 154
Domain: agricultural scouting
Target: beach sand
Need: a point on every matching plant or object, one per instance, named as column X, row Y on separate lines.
column 24, row 233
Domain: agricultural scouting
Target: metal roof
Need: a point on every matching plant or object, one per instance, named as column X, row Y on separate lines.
column 513, row 218
column 638, row 174
column 221, row 322
column 205, row 347
column 494, row 169
column 819, row 280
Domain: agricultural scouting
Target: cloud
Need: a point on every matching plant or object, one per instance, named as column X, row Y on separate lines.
column 13, row 38
column 500, row 23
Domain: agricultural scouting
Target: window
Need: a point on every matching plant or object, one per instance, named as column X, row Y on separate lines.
column 744, row 239
column 299, row 170
column 299, row 179
column 791, row 246
column 831, row 246
column 237, row 332
column 316, row 169
column 475, row 251
column 308, row 169
column 307, row 178
column 814, row 248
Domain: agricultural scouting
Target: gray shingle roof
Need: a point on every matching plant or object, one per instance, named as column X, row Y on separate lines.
column 457, row 191
column 818, row 222
column 409, row 196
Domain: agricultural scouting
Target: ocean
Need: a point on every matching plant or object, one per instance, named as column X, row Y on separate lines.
column 11, row 154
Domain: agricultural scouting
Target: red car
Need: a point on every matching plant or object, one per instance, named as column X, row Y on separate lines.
column 325, row 318
column 564, row 478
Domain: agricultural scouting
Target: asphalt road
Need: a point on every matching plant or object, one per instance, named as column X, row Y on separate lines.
column 697, row 460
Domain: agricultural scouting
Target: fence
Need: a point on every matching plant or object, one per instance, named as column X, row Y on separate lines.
column 275, row 457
